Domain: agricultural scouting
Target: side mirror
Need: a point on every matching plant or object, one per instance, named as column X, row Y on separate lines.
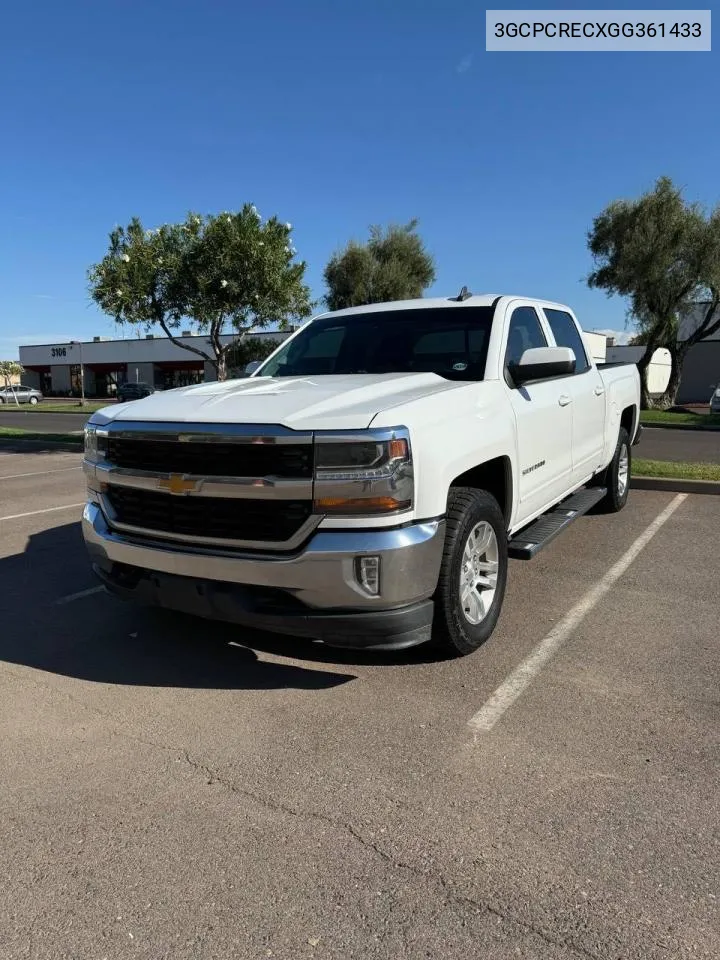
column 252, row 367
column 542, row 363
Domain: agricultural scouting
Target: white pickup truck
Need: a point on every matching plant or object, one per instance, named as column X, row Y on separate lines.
column 368, row 483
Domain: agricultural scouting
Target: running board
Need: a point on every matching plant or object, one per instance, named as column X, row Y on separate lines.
column 530, row 541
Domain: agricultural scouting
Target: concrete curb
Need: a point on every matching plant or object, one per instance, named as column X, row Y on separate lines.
column 675, row 485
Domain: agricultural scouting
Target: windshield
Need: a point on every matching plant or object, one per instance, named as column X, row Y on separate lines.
column 449, row 341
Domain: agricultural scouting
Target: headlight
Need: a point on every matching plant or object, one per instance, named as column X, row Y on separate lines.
column 360, row 459
column 367, row 474
column 95, row 443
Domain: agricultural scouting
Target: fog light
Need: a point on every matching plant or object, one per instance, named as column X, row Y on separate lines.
column 367, row 572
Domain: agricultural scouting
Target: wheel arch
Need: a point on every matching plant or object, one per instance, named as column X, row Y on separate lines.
column 629, row 419
column 495, row 476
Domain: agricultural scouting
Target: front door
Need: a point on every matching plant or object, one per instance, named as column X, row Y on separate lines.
column 543, row 422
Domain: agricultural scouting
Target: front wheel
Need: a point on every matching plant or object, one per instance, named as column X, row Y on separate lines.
column 473, row 572
column 616, row 477
column 33, row 400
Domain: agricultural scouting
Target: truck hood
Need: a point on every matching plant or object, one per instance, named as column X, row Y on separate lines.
column 300, row 403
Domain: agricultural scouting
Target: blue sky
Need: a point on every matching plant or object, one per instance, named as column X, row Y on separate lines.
column 334, row 116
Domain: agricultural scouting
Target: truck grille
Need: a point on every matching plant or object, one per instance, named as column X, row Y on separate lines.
column 216, row 459
column 272, row 521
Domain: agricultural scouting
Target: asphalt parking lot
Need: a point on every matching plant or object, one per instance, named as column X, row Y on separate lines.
column 44, row 422
column 178, row 789
column 689, row 446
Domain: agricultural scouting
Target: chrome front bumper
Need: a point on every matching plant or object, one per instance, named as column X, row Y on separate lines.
column 319, row 581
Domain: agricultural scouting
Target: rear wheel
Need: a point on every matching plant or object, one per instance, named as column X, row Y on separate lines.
column 616, row 476
column 473, row 572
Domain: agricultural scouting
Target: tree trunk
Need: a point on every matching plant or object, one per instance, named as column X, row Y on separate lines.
column 643, row 365
column 221, row 365
column 678, row 352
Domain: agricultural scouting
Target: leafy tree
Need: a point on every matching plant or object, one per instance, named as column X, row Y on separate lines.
column 244, row 351
column 392, row 265
column 8, row 370
column 229, row 272
column 664, row 255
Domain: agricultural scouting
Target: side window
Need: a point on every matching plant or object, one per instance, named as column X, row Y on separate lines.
column 525, row 333
column 567, row 334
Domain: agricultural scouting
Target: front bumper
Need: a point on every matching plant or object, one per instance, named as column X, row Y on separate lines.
column 312, row 593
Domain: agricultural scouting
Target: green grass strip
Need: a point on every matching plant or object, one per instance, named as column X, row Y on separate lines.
column 667, row 418
column 10, row 433
column 89, row 407
column 675, row 471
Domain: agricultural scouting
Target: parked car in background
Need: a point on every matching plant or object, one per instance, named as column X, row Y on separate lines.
column 20, row 394
column 134, row 391
column 715, row 400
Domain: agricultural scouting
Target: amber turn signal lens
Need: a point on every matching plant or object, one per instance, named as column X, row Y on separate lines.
column 359, row 505
column 398, row 449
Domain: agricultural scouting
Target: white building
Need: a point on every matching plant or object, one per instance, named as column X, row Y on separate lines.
column 596, row 344
column 54, row 368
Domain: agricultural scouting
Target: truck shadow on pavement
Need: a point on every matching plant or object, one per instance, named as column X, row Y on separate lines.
column 100, row 639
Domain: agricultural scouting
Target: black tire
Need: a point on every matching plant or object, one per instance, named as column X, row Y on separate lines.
column 617, row 494
column 453, row 632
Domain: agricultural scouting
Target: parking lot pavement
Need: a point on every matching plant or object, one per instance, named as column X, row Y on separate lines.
column 33, row 482
column 688, row 446
column 43, row 422
column 174, row 788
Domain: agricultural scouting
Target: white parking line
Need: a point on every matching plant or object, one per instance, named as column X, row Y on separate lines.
column 38, row 473
column 79, row 595
column 521, row 678
column 34, row 513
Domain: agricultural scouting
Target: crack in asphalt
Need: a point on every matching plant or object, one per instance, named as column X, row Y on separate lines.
column 278, row 806
column 309, row 816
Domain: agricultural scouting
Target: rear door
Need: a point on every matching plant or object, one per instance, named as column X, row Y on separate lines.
column 543, row 419
column 587, row 390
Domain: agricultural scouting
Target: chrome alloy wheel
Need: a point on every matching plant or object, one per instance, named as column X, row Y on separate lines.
column 623, row 470
column 478, row 573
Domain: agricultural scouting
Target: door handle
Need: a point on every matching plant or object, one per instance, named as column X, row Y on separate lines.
column 599, row 391
column 564, row 400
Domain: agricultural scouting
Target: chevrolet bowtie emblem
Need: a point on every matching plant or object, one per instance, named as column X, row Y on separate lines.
column 178, row 484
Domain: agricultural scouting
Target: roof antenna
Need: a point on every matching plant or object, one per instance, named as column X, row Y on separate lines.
column 463, row 295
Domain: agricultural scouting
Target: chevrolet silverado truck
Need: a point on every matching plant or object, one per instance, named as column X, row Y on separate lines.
column 368, row 483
